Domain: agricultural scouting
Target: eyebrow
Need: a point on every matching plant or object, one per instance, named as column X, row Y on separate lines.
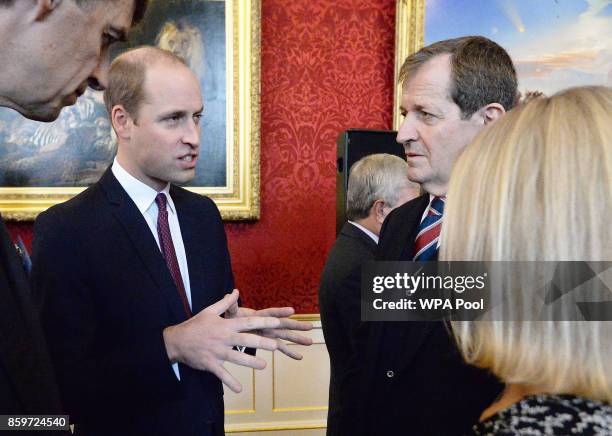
column 172, row 114
column 429, row 107
column 180, row 113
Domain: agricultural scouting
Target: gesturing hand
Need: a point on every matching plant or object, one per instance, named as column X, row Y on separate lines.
column 283, row 331
column 205, row 341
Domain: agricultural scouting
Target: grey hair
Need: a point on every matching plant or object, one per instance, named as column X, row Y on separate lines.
column 375, row 177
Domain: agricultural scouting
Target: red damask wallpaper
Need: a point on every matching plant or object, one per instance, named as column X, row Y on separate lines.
column 327, row 65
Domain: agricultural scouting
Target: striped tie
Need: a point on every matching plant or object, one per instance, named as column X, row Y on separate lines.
column 426, row 242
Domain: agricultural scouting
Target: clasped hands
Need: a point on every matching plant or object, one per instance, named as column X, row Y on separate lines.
column 207, row 340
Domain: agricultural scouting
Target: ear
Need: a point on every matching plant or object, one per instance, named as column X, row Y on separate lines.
column 492, row 112
column 122, row 122
column 44, row 8
column 378, row 209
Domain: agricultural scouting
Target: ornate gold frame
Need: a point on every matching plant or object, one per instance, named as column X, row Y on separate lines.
column 239, row 199
column 409, row 37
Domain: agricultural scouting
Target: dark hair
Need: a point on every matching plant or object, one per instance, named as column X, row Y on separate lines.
column 140, row 7
column 481, row 72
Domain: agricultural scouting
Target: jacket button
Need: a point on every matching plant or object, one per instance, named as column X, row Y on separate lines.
column 390, row 373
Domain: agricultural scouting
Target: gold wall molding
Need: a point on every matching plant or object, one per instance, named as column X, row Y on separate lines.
column 409, row 37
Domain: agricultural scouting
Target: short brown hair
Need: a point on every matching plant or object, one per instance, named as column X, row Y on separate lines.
column 126, row 77
column 481, row 72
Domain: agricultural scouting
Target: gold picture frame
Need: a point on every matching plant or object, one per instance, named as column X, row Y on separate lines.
column 409, row 37
column 238, row 198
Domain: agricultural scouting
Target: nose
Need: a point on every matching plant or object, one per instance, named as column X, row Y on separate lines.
column 191, row 134
column 407, row 131
column 98, row 79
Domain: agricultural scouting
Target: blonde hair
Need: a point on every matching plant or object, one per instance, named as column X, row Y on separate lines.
column 537, row 186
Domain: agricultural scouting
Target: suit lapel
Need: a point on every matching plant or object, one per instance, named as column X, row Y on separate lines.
column 407, row 337
column 194, row 241
column 410, row 226
column 138, row 232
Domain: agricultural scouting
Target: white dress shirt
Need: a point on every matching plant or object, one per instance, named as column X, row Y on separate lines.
column 144, row 198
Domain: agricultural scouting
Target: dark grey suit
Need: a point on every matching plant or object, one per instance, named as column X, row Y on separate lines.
column 339, row 302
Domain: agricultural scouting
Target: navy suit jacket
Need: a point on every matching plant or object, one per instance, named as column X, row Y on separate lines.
column 410, row 378
column 107, row 295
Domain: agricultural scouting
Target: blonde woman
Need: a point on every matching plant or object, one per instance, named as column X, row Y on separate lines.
column 537, row 185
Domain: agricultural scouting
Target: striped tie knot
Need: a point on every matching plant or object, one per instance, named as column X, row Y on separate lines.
column 426, row 242
column 436, row 207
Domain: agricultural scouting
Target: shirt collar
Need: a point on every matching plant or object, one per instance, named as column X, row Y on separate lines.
column 140, row 193
column 366, row 231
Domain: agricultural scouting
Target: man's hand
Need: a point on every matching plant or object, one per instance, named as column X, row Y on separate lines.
column 283, row 331
column 205, row 341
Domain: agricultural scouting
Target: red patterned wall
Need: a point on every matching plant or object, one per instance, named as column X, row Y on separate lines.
column 327, row 65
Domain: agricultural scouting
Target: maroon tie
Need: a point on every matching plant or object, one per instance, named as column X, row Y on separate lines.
column 167, row 249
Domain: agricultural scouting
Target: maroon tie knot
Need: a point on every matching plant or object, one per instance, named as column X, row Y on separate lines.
column 161, row 201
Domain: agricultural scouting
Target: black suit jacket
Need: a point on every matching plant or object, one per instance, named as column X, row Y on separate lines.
column 339, row 302
column 107, row 296
column 410, row 377
column 27, row 383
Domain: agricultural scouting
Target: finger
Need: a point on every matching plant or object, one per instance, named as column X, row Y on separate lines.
column 253, row 341
column 245, row 311
column 224, row 304
column 244, row 359
column 226, row 378
column 278, row 312
column 254, row 323
column 287, row 335
column 287, row 351
column 232, row 312
column 292, row 324
column 233, row 309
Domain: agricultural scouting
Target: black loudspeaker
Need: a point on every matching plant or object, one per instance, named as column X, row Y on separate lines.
column 353, row 144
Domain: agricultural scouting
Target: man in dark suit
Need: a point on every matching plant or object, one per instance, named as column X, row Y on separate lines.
column 135, row 273
column 410, row 375
column 51, row 51
column 378, row 183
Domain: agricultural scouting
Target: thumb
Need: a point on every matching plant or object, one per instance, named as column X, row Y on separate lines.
column 224, row 304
